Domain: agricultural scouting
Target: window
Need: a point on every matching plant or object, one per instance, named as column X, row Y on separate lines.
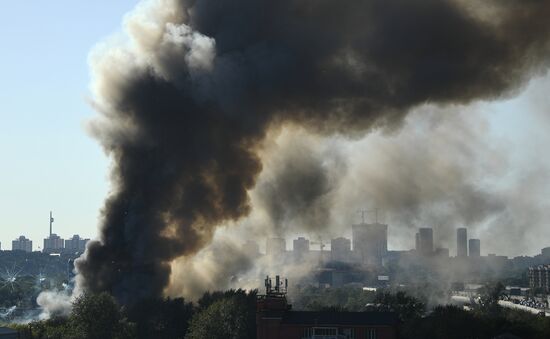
column 348, row 333
column 308, row 333
column 325, row 331
column 371, row 333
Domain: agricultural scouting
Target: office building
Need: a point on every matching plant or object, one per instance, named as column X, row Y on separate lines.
column 275, row 247
column 76, row 244
column 53, row 244
column 425, row 241
column 21, row 244
column 474, row 247
column 461, row 242
column 340, row 249
column 300, row 248
column 370, row 242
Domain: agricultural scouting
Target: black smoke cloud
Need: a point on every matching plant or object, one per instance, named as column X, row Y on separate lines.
column 296, row 187
column 188, row 100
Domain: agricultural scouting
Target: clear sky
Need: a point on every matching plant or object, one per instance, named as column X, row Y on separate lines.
column 47, row 160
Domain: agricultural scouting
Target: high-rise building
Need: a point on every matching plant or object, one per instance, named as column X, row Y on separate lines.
column 251, row 248
column 475, row 247
column 300, row 248
column 76, row 244
column 275, row 247
column 545, row 252
column 21, row 244
column 370, row 242
column 340, row 249
column 425, row 241
column 461, row 242
column 53, row 244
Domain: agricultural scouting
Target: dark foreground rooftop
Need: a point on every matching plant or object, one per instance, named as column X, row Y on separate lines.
column 340, row 318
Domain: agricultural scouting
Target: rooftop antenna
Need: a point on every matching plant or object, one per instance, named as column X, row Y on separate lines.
column 362, row 215
column 375, row 210
column 51, row 223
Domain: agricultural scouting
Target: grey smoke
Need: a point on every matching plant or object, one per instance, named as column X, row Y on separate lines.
column 186, row 103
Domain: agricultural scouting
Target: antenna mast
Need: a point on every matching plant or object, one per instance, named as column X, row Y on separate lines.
column 51, row 222
column 375, row 210
column 362, row 215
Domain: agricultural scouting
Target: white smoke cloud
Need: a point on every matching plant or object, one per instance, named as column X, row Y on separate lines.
column 55, row 303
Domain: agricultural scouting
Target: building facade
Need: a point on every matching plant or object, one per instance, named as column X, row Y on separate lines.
column 425, row 241
column 275, row 247
column 275, row 319
column 461, row 242
column 300, row 248
column 474, row 248
column 21, row 244
column 539, row 278
column 53, row 244
column 370, row 242
column 340, row 250
column 76, row 244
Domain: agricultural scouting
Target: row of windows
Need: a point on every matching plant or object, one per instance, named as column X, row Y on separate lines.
column 334, row 333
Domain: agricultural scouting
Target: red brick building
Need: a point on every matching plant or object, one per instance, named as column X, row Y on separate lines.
column 276, row 320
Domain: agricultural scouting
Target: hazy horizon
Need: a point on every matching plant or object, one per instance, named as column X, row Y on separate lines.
column 50, row 163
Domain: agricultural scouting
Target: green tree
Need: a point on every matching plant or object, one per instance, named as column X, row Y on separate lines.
column 405, row 306
column 97, row 316
column 491, row 293
column 161, row 318
column 225, row 316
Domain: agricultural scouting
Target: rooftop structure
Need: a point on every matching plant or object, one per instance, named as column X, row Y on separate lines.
column 275, row 319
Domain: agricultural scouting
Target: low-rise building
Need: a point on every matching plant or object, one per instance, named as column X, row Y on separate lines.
column 539, row 278
column 275, row 319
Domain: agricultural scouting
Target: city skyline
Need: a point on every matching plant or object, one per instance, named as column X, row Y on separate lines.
column 51, row 162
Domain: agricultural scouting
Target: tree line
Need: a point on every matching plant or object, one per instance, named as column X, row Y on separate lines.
column 231, row 314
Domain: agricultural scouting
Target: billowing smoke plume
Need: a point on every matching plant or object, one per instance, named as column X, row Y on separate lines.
column 188, row 100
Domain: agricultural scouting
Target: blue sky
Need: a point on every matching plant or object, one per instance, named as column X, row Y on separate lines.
column 48, row 162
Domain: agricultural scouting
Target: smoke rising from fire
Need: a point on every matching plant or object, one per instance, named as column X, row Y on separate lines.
column 188, row 99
